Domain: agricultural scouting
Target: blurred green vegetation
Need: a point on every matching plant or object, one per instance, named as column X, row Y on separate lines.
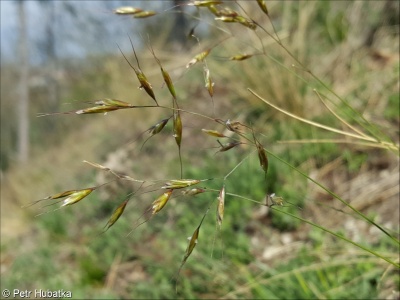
column 257, row 254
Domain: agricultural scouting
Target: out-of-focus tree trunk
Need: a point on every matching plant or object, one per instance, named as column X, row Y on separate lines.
column 51, row 80
column 180, row 27
column 23, row 87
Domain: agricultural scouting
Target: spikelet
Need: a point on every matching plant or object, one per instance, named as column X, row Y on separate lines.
column 227, row 146
column 221, row 206
column 144, row 14
column 263, row 6
column 193, row 192
column 180, row 183
column 262, row 156
column 204, row 3
column 214, row 10
column 76, row 196
column 213, row 133
column 160, row 202
column 114, row 103
column 192, row 243
column 127, row 10
column 199, row 57
column 209, row 82
column 240, row 57
column 115, row 215
column 144, row 83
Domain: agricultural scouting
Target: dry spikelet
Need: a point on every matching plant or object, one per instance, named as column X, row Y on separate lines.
column 263, row 6
column 227, row 146
column 204, row 3
column 127, row 10
column 160, row 202
column 193, row 192
column 144, row 14
column 115, row 215
column 221, row 206
column 262, row 156
column 240, row 57
column 180, row 183
column 233, row 126
column 97, row 165
column 213, row 133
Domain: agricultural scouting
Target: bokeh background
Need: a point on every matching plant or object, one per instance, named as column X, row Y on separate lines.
column 58, row 55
